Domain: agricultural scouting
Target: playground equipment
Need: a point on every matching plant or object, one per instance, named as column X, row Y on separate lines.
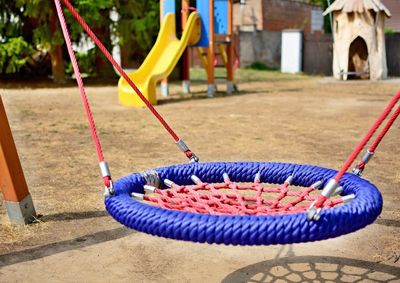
column 13, row 186
column 209, row 25
column 162, row 202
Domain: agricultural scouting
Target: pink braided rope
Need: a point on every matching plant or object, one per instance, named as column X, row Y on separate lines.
column 79, row 81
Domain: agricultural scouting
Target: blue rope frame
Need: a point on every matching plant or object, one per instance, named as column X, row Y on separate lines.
column 245, row 229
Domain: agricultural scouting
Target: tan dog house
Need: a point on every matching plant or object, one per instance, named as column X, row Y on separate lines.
column 359, row 40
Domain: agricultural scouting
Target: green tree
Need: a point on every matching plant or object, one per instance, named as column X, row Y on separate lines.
column 13, row 54
column 14, row 49
column 140, row 18
column 137, row 27
column 97, row 15
column 30, row 25
column 46, row 29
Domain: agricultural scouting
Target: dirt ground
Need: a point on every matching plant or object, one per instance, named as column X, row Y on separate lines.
column 274, row 118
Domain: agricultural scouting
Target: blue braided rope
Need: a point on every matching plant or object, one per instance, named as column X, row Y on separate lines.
column 245, row 229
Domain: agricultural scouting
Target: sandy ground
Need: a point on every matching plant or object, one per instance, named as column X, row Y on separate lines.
column 281, row 118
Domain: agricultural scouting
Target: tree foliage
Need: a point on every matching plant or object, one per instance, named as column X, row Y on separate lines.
column 139, row 18
column 28, row 26
column 13, row 54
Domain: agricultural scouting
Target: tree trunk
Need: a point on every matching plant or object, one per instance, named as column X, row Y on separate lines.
column 104, row 69
column 56, row 53
column 57, row 64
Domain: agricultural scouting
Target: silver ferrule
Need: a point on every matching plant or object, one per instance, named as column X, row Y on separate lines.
column 289, row 180
column 105, row 171
column 182, row 145
column 168, row 183
column 338, row 191
column 149, row 189
column 226, row 178
column 330, row 188
column 316, row 185
column 196, row 180
column 257, row 178
column 348, row 198
column 367, row 157
column 137, row 196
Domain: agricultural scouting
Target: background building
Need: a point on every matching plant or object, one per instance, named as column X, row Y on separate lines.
column 393, row 22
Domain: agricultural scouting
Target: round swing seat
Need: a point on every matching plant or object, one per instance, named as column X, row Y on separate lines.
column 279, row 227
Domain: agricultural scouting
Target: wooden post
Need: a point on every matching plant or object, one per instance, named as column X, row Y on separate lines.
column 211, row 54
column 15, row 191
column 185, row 56
column 230, row 52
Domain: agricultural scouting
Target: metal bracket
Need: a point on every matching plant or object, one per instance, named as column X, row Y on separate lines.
column 109, row 191
column 313, row 213
column 194, row 158
column 152, row 178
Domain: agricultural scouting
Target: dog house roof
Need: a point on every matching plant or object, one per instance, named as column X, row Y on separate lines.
column 357, row 6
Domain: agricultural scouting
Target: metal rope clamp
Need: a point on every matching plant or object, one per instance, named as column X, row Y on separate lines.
column 358, row 170
column 313, row 213
column 194, row 158
column 105, row 172
column 184, row 148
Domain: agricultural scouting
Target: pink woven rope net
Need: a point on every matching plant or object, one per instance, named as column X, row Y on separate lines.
column 235, row 199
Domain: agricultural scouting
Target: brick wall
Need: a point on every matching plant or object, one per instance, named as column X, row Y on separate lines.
column 273, row 15
column 286, row 14
column 394, row 8
column 247, row 16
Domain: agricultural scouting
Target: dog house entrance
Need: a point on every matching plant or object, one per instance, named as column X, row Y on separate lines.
column 358, row 60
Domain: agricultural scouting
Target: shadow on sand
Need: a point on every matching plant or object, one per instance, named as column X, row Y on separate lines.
column 59, row 247
column 315, row 269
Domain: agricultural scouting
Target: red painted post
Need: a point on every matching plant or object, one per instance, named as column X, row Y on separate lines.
column 211, row 54
column 13, row 186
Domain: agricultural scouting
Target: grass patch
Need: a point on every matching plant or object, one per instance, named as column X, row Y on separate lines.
column 248, row 75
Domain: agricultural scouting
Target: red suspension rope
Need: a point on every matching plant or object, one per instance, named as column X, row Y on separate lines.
column 368, row 136
column 332, row 185
column 360, row 167
column 385, row 130
column 95, row 137
column 109, row 57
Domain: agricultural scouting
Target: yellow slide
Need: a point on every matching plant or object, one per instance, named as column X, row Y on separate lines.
column 161, row 60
